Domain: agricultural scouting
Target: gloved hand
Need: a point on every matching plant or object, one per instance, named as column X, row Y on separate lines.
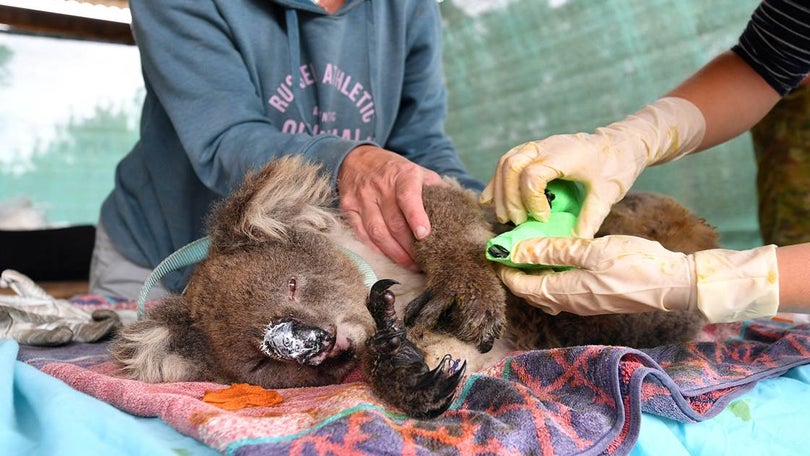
column 34, row 317
column 606, row 162
column 627, row 274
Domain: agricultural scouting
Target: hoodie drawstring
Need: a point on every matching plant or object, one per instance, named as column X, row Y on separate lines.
column 372, row 65
column 294, row 42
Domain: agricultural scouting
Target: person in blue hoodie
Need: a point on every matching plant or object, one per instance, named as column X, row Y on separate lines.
column 353, row 85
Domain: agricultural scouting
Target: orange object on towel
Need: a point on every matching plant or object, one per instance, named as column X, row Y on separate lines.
column 242, row 395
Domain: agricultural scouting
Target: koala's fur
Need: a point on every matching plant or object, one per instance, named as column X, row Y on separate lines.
column 279, row 303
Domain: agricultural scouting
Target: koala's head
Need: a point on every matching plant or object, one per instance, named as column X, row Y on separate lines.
column 280, row 304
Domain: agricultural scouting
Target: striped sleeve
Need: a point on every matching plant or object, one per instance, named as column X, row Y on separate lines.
column 776, row 42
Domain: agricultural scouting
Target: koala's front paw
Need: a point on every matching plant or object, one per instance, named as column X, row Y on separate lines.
column 468, row 303
column 397, row 370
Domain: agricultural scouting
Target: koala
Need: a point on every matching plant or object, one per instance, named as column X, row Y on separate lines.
column 281, row 299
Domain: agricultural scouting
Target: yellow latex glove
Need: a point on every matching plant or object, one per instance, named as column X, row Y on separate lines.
column 627, row 274
column 606, row 162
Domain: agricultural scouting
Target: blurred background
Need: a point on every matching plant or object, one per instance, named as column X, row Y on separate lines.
column 516, row 70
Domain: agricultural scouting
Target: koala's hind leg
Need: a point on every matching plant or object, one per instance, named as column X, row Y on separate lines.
column 396, row 368
column 163, row 347
column 661, row 218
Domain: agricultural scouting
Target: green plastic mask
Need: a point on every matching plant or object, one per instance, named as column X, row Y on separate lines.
column 565, row 199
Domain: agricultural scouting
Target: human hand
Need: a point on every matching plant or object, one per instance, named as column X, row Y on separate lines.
column 34, row 317
column 606, row 162
column 627, row 274
column 381, row 199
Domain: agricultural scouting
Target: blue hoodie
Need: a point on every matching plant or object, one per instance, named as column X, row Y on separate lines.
column 232, row 84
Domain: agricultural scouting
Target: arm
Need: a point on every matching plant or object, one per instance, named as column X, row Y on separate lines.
column 794, row 278
column 418, row 132
column 737, row 88
column 730, row 94
column 627, row 274
column 381, row 199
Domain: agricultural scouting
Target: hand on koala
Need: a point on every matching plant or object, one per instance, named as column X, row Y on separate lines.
column 381, row 199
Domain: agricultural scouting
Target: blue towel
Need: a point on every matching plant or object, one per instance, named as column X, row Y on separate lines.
column 41, row 415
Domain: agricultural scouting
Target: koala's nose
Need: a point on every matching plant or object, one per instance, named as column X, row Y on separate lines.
column 293, row 340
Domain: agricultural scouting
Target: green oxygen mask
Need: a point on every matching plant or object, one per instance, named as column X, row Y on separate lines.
column 565, row 198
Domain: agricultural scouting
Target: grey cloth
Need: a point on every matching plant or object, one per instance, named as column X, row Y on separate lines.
column 34, row 317
column 111, row 274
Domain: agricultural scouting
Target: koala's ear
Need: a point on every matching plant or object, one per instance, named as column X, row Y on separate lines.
column 286, row 193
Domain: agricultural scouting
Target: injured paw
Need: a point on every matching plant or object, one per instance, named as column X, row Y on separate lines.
column 396, row 368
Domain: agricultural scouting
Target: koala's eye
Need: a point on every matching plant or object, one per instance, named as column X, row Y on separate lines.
column 292, row 285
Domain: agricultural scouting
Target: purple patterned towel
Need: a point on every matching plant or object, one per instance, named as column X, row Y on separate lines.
column 580, row 400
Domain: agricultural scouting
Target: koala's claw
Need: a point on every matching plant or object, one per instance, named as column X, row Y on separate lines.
column 447, row 374
column 381, row 304
column 479, row 321
column 290, row 339
column 414, row 308
column 396, row 368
